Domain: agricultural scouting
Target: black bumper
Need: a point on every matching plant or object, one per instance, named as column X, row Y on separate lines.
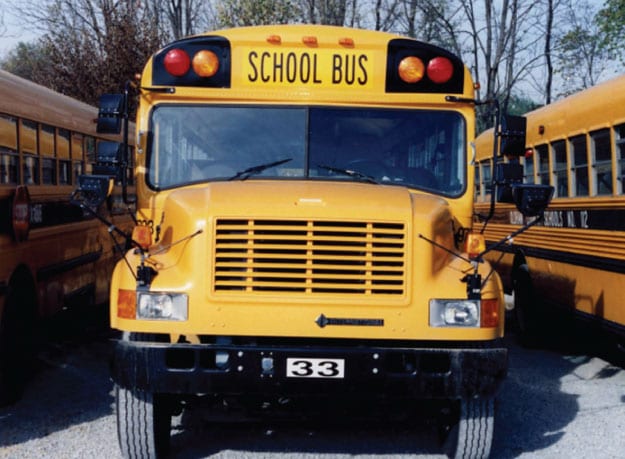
column 419, row 372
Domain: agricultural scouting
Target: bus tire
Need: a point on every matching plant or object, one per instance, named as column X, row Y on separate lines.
column 143, row 424
column 526, row 309
column 472, row 436
column 18, row 339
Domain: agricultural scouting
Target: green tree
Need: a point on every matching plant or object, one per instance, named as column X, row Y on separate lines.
column 26, row 60
column 611, row 23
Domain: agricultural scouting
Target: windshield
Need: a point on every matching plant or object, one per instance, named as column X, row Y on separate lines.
column 422, row 149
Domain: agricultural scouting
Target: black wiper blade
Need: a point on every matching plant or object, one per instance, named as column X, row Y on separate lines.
column 247, row 173
column 349, row 173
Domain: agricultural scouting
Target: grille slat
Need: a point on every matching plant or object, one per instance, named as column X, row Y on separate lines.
column 312, row 257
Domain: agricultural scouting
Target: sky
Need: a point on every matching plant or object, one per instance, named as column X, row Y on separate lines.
column 13, row 30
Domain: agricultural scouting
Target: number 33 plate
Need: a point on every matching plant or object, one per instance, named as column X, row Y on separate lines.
column 314, row 368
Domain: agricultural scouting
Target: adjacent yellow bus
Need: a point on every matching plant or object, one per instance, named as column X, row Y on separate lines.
column 53, row 254
column 573, row 261
column 309, row 195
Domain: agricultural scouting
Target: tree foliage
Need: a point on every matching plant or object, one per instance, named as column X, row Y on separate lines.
column 611, row 25
column 236, row 13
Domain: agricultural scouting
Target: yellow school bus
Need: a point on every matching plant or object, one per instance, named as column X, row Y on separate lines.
column 304, row 195
column 54, row 256
column 572, row 262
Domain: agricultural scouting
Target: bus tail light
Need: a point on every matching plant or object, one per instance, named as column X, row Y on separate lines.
column 205, row 63
column 411, row 69
column 177, row 62
column 440, row 70
column 489, row 313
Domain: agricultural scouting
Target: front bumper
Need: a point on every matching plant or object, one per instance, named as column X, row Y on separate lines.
column 418, row 372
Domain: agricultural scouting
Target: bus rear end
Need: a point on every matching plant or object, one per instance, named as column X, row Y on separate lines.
column 309, row 201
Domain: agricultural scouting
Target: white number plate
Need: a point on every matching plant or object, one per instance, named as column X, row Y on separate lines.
column 314, row 368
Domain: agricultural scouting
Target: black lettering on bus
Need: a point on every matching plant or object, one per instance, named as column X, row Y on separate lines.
column 264, row 75
column 350, row 69
column 278, row 67
column 291, row 67
column 362, row 79
column 315, row 68
column 304, row 71
column 252, row 76
column 337, row 71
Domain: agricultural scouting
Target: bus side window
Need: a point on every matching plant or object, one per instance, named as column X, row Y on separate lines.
column 62, row 151
column 579, row 158
column 619, row 137
column 477, row 184
column 560, row 169
column 602, row 162
column 528, row 169
column 487, row 179
column 29, row 146
column 46, row 150
column 8, row 150
column 542, row 160
column 77, row 156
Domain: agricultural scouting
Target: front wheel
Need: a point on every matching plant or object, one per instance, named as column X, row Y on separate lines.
column 143, row 423
column 472, row 436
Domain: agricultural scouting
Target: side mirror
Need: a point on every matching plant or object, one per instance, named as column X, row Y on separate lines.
column 512, row 134
column 532, row 200
column 507, row 175
column 109, row 159
column 111, row 113
column 92, row 190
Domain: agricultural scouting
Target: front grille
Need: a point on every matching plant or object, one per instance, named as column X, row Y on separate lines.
column 310, row 257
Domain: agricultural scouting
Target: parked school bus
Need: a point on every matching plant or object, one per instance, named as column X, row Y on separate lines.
column 53, row 254
column 308, row 195
column 572, row 263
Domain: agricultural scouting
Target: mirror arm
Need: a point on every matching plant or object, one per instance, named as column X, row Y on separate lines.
column 512, row 235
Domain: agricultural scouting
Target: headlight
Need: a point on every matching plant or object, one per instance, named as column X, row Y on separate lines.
column 162, row 306
column 454, row 313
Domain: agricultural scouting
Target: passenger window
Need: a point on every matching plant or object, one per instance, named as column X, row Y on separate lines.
column 579, row 165
column 619, row 134
column 560, row 169
column 602, row 162
column 28, row 137
column 528, row 169
column 542, row 160
column 8, row 150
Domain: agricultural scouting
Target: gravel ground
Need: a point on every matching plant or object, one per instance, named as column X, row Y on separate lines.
column 557, row 402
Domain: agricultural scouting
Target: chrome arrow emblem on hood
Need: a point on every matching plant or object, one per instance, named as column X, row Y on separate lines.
column 323, row 321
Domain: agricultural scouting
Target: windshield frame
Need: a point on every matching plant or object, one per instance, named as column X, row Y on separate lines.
column 311, row 163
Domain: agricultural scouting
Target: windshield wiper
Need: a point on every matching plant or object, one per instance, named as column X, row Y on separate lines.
column 247, row 173
column 349, row 173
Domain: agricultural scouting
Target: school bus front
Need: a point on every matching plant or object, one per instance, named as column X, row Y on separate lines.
column 309, row 206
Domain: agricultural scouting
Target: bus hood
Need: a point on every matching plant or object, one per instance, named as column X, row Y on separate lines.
column 303, row 200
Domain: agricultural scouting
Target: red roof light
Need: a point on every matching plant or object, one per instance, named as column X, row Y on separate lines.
column 440, row 70
column 177, row 62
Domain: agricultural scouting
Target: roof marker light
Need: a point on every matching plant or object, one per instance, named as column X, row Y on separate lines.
column 274, row 39
column 177, row 62
column 440, row 70
column 205, row 63
column 411, row 69
column 347, row 42
column 309, row 40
